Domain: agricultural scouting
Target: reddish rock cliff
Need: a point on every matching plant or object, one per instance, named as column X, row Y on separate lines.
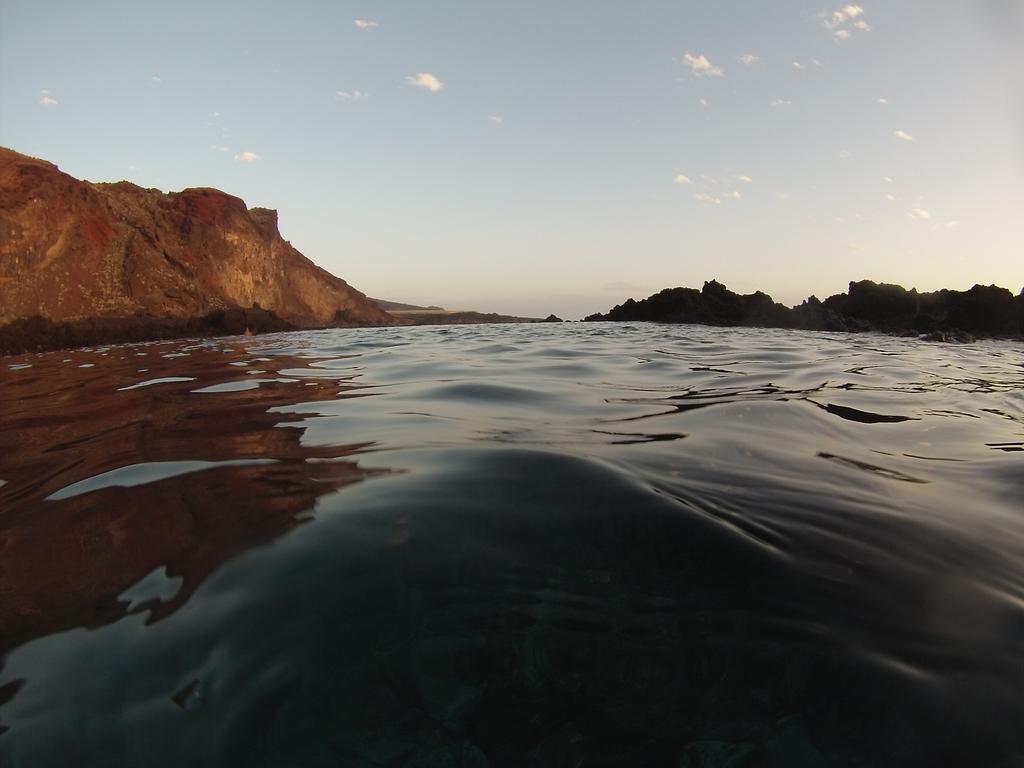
column 71, row 249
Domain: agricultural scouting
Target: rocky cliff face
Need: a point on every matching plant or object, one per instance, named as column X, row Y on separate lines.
column 70, row 249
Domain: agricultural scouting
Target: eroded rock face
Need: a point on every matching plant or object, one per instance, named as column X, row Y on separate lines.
column 71, row 249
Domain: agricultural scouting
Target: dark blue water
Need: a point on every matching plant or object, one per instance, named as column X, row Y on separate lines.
column 577, row 545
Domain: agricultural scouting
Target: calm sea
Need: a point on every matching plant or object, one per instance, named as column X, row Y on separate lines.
column 514, row 545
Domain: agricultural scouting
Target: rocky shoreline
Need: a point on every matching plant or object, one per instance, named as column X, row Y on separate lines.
column 946, row 315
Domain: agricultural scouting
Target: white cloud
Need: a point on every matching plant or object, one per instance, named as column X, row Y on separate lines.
column 156, row 79
column 818, row 63
column 890, row 197
column 745, row 179
column 426, row 81
column 701, row 66
column 844, row 154
column 797, row 65
column 350, row 95
column 919, row 214
column 46, row 100
column 863, row 26
column 781, row 103
column 496, row 119
column 365, row 24
column 748, row 59
column 839, row 17
column 735, row 195
column 887, row 179
column 683, row 179
column 247, row 157
column 842, row 34
column 704, row 197
column 903, row 136
column 952, row 224
column 703, row 102
column 884, row 101
column 782, row 196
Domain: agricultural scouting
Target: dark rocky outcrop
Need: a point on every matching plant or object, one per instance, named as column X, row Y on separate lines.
column 867, row 306
column 72, row 251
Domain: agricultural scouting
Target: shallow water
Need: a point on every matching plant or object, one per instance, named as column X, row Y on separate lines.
column 585, row 544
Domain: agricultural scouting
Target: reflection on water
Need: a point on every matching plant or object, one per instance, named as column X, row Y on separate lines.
column 571, row 545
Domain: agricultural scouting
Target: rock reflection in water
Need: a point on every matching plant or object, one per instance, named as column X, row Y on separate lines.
column 67, row 553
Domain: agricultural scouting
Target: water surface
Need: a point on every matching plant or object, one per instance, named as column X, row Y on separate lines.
column 506, row 545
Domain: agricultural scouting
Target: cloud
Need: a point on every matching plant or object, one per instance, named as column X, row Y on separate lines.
column 496, row 119
column 365, row 24
column 247, row 157
column 781, row 103
column 783, row 196
column 841, row 16
column 887, row 179
column 683, row 179
column 842, row 20
column 903, row 136
column 156, row 79
column 46, row 100
column 703, row 102
column 426, row 81
column 735, row 195
column 745, row 179
column 890, row 197
column 704, row 197
column 884, row 101
column 797, row 65
column 919, row 214
column 748, row 59
column 701, row 66
column 350, row 95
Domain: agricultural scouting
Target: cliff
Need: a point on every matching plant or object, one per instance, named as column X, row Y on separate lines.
column 71, row 250
column 867, row 306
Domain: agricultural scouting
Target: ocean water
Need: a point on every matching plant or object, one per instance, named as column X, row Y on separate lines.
column 514, row 545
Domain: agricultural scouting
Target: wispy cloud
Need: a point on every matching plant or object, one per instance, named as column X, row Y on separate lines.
column 781, row 103
column 701, row 66
column 919, row 214
column 683, row 179
column 903, row 136
column 350, row 95
column 797, row 65
column 247, row 157
column 426, row 81
column 842, row 20
column 704, row 197
column 884, row 101
column 841, row 16
column 496, row 119
column 156, row 79
column 748, row 59
column 46, row 100
column 745, row 179
column 365, row 24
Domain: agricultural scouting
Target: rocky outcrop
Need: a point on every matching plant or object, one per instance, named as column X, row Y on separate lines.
column 867, row 306
column 71, row 250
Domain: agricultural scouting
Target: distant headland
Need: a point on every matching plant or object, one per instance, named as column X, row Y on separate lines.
column 84, row 264
column 945, row 315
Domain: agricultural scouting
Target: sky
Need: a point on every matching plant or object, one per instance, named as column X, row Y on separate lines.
column 561, row 156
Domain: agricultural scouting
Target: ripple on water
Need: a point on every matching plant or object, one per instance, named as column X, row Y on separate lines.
column 518, row 545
